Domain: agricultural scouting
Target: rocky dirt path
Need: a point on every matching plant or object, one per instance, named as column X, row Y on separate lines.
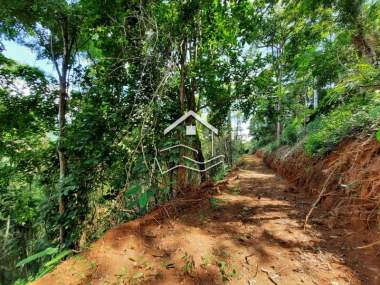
column 249, row 232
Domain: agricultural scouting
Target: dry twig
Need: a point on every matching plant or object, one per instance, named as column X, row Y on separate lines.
column 319, row 198
column 269, row 275
column 369, row 245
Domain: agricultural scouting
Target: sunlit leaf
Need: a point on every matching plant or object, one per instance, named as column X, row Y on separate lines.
column 47, row 252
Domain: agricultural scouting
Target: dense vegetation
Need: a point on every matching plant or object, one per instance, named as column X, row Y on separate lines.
column 77, row 149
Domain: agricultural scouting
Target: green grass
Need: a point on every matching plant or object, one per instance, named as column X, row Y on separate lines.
column 325, row 132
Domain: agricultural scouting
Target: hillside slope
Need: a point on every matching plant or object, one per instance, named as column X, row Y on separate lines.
column 347, row 183
column 247, row 230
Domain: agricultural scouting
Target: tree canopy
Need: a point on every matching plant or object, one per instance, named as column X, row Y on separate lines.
column 78, row 150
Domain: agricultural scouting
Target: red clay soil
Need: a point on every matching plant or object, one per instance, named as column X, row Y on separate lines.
column 247, row 230
column 350, row 204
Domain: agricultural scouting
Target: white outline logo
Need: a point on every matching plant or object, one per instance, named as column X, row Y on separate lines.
column 191, row 130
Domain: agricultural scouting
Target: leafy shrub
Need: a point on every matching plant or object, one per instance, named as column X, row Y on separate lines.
column 226, row 271
column 261, row 142
column 52, row 253
column 272, row 146
column 327, row 131
column 291, row 133
column 216, row 203
column 219, row 172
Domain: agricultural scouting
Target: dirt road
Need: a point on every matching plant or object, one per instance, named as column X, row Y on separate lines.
column 248, row 233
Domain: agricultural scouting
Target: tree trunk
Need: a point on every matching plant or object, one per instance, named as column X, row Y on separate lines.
column 182, row 76
column 61, row 155
column 315, row 99
column 228, row 141
column 304, row 113
column 181, row 173
column 197, row 142
column 63, row 86
column 363, row 46
column 278, row 124
column 200, row 157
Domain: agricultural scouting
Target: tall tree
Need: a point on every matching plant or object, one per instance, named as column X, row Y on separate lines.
column 52, row 29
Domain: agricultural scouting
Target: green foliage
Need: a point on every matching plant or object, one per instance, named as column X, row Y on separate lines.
column 261, row 142
column 127, row 64
column 271, row 146
column 143, row 200
column 378, row 135
column 328, row 130
column 25, row 154
column 225, row 271
column 46, row 252
column 133, row 190
column 189, row 265
column 216, row 203
column 137, row 196
column 220, row 173
column 55, row 258
column 292, row 133
column 332, row 59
